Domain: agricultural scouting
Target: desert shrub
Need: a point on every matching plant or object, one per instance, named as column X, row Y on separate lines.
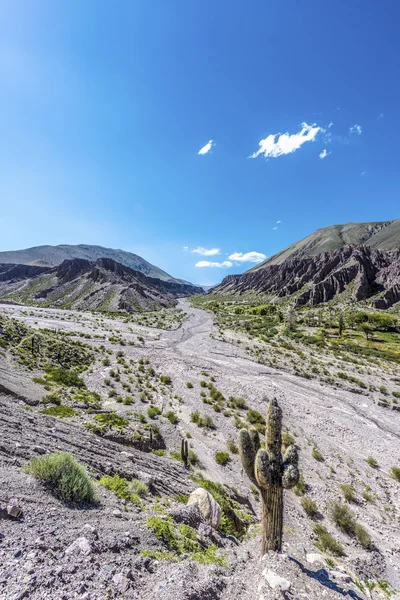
column 200, row 421
column 60, row 411
column 172, row 418
column 372, row 462
column 153, row 411
column 395, row 473
column 287, row 439
column 363, row 536
column 65, row 377
column 239, row 403
column 310, row 507
column 343, row 517
column 111, row 419
column 166, row 379
column 317, row 455
column 326, row 542
column 221, row 458
column 348, row 492
column 64, row 476
column 138, row 487
column 300, row 488
column 189, row 385
column 232, row 446
column 121, row 487
column 253, row 417
column 195, row 416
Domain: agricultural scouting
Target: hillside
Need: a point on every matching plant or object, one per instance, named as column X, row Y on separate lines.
column 360, row 273
column 52, row 256
column 81, row 284
column 384, row 235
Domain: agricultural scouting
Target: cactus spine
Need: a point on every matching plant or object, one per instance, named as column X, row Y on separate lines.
column 185, row 452
column 270, row 473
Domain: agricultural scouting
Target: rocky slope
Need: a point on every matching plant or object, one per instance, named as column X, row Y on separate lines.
column 101, row 285
column 384, row 235
column 51, row 256
column 360, row 272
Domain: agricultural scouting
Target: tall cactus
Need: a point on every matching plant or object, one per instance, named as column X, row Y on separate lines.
column 270, row 472
column 185, row 452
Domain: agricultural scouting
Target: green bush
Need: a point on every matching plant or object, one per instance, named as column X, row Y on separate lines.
column 253, row 417
column 172, row 418
column 372, row 462
column 317, row 455
column 122, row 488
column 166, row 379
column 395, row 473
column 65, row 377
column 221, row 458
column 310, row 507
column 64, row 476
column 363, row 536
column 60, row 411
column 348, row 492
column 153, row 411
column 232, row 446
column 343, row 517
column 189, row 385
column 326, row 542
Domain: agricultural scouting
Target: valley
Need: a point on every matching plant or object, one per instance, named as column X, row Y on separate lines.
column 144, row 390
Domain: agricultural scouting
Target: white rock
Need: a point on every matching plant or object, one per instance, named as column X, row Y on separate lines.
column 314, row 557
column 81, row 545
column 209, row 508
column 276, row 582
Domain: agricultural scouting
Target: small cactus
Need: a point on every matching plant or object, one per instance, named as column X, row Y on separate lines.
column 270, row 473
column 185, row 452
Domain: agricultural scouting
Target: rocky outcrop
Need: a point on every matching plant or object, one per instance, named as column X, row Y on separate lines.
column 361, row 272
column 100, row 285
column 209, row 508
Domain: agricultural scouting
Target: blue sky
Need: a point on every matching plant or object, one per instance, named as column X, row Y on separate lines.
column 104, row 107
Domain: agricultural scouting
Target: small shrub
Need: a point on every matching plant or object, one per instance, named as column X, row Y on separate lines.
column 317, row 455
column 172, row 418
column 166, row 379
column 326, row 542
column 153, row 411
column 65, row 377
column 60, row 411
column 253, row 417
column 232, row 446
column 221, row 458
column 300, row 488
column 64, row 476
column 189, row 385
column 138, row 487
column 120, row 486
column 343, row 517
column 363, row 536
column 310, row 507
column 395, row 473
column 348, row 492
column 372, row 462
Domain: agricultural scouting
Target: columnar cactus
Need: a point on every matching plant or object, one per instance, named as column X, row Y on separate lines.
column 185, row 452
column 270, row 473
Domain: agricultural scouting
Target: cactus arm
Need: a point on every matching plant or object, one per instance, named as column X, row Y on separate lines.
column 247, row 454
column 255, row 438
column 291, row 472
column 262, row 469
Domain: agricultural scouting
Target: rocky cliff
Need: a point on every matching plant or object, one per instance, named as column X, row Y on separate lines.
column 100, row 285
column 360, row 272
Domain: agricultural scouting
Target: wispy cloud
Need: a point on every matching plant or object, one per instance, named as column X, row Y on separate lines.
column 206, row 252
column 206, row 263
column 324, row 154
column 381, row 116
column 205, row 149
column 274, row 228
column 279, row 144
column 279, row 222
column 254, row 257
column 356, row 129
column 185, row 248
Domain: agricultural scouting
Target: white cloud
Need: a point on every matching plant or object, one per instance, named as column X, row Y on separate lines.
column 324, row 154
column 363, row 172
column 206, row 148
column 356, row 129
column 254, row 257
column 274, row 228
column 279, row 221
column 284, row 143
column 206, row 263
column 205, row 252
column 330, row 125
column 381, row 116
column 185, row 248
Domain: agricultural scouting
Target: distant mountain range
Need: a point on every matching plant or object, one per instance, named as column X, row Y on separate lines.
column 383, row 235
column 359, row 261
column 51, row 256
column 103, row 285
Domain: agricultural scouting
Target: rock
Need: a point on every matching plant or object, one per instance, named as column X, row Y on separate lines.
column 81, row 546
column 146, row 478
column 341, row 576
column 117, row 513
column 14, row 511
column 121, row 582
column 89, row 530
column 276, row 582
column 209, row 508
column 17, row 553
column 314, row 557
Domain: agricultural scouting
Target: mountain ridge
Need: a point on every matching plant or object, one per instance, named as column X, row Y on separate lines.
column 47, row 255
column 103, row 284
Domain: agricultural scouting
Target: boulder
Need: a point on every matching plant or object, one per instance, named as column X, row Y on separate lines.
column 80, row 546
column 276, row 582
column 209, row 508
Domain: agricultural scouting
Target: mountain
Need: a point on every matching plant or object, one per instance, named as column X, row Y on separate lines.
column 360, row 273
column 384, row 235
column 103, row 284
column 51, row 256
